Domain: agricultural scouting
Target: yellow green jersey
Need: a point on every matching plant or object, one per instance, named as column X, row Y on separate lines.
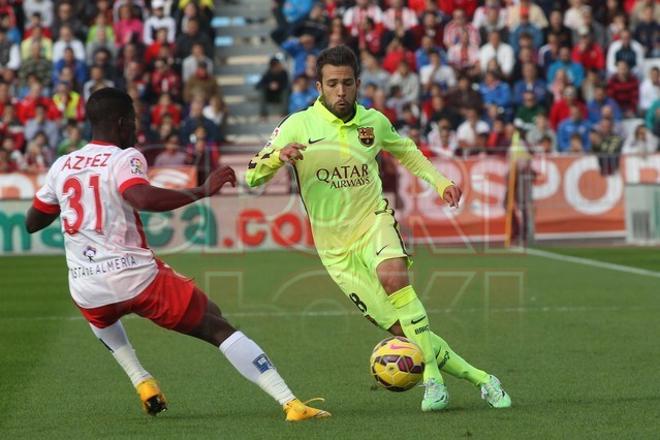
column 338, row 176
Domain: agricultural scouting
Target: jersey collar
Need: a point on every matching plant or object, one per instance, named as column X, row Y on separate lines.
column 330, row 117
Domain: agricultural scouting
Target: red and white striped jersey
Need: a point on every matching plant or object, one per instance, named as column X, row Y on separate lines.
column 106, row 250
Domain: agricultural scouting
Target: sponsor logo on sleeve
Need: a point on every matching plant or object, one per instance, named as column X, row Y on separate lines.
column 136, row 167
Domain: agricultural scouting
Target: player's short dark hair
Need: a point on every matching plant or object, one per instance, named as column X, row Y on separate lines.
column 105, row 106
column 340, row 55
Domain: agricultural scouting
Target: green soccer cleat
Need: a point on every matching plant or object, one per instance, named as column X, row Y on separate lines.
column 493, row 393
column 436, row 397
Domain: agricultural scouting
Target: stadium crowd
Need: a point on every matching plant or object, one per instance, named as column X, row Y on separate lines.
column 463, row 76
column 54, row 54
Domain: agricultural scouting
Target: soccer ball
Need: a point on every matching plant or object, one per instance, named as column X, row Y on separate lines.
column 397, row 363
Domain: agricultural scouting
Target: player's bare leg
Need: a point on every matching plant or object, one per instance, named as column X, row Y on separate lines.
column 114, row 338
column 251, row 362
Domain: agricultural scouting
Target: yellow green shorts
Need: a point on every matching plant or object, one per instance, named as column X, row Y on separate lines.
column 354, row 270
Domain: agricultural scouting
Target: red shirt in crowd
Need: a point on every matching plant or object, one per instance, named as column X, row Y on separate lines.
column 625, row 91
column 561, row 110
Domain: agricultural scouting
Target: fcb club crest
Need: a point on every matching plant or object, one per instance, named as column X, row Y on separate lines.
column 366, row 136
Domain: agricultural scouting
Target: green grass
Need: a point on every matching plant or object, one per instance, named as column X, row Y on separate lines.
column 576, row 347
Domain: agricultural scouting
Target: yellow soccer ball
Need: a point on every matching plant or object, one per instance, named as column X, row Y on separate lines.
column 397, row 363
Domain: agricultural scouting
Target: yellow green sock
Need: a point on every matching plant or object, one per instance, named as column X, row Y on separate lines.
column 415, row 325
column 451, row 363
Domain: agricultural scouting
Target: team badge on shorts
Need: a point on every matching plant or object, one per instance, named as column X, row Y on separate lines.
column 366, row 136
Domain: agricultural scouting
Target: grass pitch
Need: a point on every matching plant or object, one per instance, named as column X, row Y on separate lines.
column 575, row 345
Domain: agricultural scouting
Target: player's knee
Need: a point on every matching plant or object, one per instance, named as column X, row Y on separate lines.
column 393, row 282
column 396, row 329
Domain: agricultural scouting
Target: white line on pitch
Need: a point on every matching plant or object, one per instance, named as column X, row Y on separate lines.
column 592, row 263
column 334, row 313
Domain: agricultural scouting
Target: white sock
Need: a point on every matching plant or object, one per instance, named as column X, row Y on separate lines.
column 253, row 364
column 115, row 339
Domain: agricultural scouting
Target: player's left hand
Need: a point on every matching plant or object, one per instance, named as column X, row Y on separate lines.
column 218, row 177
column 452, row 196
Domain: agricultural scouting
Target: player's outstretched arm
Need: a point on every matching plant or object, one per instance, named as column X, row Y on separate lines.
column 151, row 198
column 37, row 220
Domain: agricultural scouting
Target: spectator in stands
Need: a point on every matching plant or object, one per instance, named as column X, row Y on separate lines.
column 203, row 153
column 216, row 112
column 42, row 7
column 165, row 79
column 437, row 109
column 395, row 54
column 601, row 100
column 69, row 60
column 40, row 124
column 200, row 10
column 190, row 36
column 560, row 109
column 442, row 139
column 649, row 89
column 303, row 94
column 628, row 50
column 10, row 54
column 574, row 70
column 298, row 49
column 595, row 30
column 191, row 62
column 65, row 16
column 526, row 54
column 574, row 125
column 158, row 20
column 573, row 17
column 496, row 49
column 69, row 104
column 535, row 13
column 200, row 84
column 530, row 83
column 647, row 29
column 430, row 27
column 156, row 48
column 37, row 38
column 35, row 160
column 606, row 15
column 11, row 127
column 489, row 17
column 36, row 65
column 527, row 112
column 624, row 89
column 448, row 7
column 464, row 57
column 165, row 106
column 72, row 141
column 407, row 81
column 640, row 141
column 273, row 87
column 289, row 14
column 398, row 9
column 96, row 82
column 315, row 24
column 6, row 164
column 549, row 53
column 100, row 36
column 464, row 95
column 380, row 104
column 436, row 73
column 458, row 25
column 171, row 156
column 195, row 119
column 371, row 72
column 496, row 92
column 362, row 10
column 587, row 52
column 13, row 158
column 68, row 41
column 468, row 133
column 129, row 28
column 607, row 145
column 525, row 27
column 540, row 131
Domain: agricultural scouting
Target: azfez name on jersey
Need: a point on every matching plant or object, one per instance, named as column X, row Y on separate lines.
column 344, row 176
column 112, row 265
column 76, row 162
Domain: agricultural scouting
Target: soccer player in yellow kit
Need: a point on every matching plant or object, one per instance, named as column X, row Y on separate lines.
column 355, row 232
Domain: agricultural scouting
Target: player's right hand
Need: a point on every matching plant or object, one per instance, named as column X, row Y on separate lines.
column 217, row 178
column 292, row 152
